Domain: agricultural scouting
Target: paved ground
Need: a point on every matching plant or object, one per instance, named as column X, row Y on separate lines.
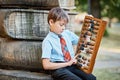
column 107, row 59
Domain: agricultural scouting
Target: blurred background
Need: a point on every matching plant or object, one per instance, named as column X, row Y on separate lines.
column 107, row 66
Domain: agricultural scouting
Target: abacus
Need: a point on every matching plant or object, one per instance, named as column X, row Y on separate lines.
column 89, row 41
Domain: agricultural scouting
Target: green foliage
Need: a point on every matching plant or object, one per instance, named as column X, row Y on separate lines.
column 81, row 5
column 109, row 8
column 106, row 34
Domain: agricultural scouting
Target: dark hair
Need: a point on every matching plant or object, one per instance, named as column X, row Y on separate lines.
column 56, row 14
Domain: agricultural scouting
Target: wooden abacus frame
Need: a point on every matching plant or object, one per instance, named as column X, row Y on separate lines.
column 89, row 41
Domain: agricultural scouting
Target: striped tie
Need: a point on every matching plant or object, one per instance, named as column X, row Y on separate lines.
column 65, row 51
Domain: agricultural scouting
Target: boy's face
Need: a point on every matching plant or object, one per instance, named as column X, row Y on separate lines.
column 58, row 27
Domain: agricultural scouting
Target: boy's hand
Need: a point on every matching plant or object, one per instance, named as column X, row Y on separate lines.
column 72, row 61
column 90, row 15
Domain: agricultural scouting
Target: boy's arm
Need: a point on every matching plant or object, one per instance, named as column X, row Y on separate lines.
column 47, row 65
column 74, row 48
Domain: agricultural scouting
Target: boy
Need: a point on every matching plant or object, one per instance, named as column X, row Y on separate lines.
column 53, row 55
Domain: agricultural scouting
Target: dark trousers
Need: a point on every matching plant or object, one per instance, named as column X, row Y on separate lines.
column 71, row 73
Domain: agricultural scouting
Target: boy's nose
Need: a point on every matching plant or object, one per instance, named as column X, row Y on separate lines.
column 63, row 28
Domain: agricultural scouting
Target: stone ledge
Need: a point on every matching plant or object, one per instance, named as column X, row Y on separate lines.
column 22, row 75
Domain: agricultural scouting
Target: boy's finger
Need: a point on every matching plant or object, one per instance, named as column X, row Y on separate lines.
column 90, row 15
column 76, row 56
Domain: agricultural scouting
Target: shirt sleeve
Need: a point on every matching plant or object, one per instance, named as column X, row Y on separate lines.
column 46, row 49
column 74, row 38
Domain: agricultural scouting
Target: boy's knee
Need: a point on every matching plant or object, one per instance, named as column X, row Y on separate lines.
column 92, row 77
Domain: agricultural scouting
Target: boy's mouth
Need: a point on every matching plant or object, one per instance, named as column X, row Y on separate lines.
column 62, row 31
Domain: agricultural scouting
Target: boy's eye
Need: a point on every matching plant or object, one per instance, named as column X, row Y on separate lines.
column 61, row 24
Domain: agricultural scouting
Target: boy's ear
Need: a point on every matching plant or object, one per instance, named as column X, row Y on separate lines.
column 51, row 22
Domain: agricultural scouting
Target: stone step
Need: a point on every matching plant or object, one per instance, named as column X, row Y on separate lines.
column 22, row 75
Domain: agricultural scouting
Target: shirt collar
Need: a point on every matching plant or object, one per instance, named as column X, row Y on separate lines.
column 53, row 34
column 56, row 35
